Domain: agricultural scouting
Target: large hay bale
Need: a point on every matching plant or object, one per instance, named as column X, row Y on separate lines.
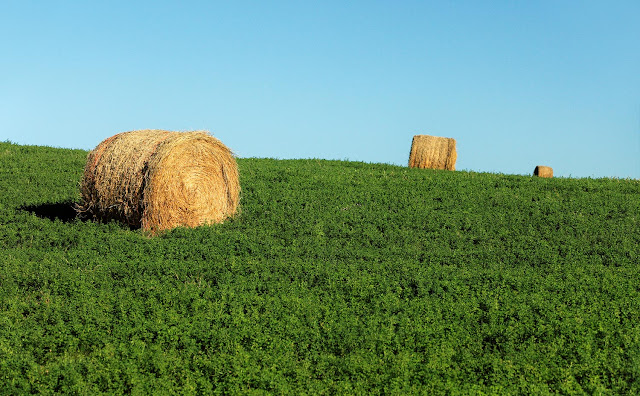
column 543, row 171
column 433, row 152
column 158, row 180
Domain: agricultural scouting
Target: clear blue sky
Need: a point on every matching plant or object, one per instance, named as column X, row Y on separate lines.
column 516, row 83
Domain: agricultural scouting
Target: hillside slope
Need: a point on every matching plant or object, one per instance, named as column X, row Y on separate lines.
column 337, row 277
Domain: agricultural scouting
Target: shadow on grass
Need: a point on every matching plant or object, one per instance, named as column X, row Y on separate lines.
column 63, row 211
column 66, row 212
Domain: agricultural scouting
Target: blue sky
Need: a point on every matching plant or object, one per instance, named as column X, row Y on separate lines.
column 516, row 83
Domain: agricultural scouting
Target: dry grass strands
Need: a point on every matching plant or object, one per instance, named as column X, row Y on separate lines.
column 158, row 180
column 543, row 171
column 433, row 152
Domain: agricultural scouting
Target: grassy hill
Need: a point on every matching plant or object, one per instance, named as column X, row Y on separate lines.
column 336, row 278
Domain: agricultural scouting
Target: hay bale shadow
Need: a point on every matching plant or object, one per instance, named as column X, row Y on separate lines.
column 63, row 211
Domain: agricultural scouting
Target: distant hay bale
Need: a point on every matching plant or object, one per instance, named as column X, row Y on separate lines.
column 543, row 171
column 433, row 152
column 158, row 180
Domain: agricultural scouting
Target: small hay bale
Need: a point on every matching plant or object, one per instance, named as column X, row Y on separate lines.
column 543, row 171
column 432, row 152
column 158, row 180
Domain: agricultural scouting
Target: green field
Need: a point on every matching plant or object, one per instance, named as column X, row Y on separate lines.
column 336, row 278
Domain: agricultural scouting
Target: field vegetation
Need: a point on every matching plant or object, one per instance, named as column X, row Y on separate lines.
column 336, row 278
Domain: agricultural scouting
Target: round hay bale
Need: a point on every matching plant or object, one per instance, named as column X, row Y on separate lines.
column 543, row 171
column 157, row 180
column 432, row 152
